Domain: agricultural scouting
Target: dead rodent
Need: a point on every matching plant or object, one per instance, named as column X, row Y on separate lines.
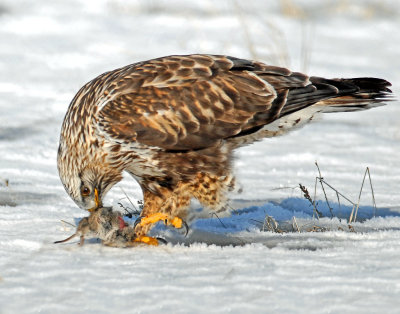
column 108, row 226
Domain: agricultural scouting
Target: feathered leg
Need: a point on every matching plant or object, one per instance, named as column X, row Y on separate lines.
column 170, row 204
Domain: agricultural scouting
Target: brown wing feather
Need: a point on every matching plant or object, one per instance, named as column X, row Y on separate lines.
column 192, row 102
column 184, row 102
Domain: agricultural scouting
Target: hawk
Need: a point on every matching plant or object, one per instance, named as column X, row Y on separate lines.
column 173, row 123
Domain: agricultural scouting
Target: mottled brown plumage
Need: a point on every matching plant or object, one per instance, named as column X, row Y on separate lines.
column 173, row 122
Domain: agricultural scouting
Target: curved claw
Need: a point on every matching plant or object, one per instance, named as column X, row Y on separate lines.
column 186, row 227
column 137, row 221
column 161, row 240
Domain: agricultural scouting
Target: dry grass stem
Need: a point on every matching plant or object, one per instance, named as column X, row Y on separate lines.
column 359, row 196
column 307, row 196
column 212, row 214
column 271, row 224
column 129, row 212
column 320, row 178
column 295, row 224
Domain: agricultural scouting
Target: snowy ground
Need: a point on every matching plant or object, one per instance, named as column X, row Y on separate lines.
column 50, row 48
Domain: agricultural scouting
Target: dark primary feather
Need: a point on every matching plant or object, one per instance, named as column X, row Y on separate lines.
column 192, row 102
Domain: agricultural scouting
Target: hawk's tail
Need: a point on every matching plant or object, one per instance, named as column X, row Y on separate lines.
column 354, row 94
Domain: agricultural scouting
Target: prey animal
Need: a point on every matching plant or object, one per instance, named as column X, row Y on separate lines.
column 174, row 122
column 110, row 227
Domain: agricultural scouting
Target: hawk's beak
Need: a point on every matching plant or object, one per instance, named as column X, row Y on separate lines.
column 96, row 200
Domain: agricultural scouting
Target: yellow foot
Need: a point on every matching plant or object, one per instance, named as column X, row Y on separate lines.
column 146, row 240
column 168, row 220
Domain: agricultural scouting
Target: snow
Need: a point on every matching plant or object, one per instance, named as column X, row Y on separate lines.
column 49, row 49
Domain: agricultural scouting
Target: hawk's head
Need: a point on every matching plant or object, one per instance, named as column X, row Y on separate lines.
column 86, row 182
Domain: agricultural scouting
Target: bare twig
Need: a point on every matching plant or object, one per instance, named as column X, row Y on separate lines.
column 315, row 196
column 354, row 211
column 323, row 189
column 359, row 195
column 340, row 206
column 372, row 191
column 285, row 188
column 212, row 214
column 223, row 225
column 331, row 187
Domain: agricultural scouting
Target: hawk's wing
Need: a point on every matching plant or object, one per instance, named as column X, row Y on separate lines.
column 190, row 102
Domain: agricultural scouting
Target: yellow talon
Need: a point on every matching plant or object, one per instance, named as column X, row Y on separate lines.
column 147, row 240
column 176, row 222
column 153, row 218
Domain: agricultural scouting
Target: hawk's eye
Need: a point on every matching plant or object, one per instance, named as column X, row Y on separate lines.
column 85, row 191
